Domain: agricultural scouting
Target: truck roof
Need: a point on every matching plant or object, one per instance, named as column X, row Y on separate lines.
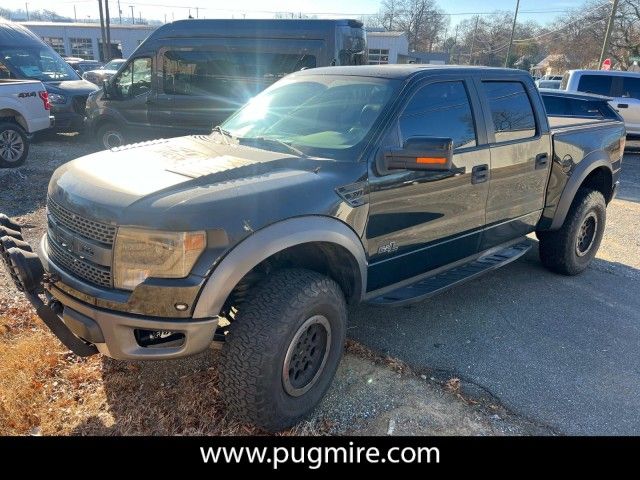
column 614, row 73
column 14, row 34
column 242, row 28
column 405, row 70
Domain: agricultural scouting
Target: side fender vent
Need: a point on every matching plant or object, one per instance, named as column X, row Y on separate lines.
column 355, row 194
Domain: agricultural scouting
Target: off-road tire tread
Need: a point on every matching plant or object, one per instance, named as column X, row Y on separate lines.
column 557, row 247
column 250, row 352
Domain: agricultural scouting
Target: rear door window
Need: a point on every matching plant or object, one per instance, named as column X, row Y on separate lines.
column 600, row 84
column 631, row 87
column 511, row 110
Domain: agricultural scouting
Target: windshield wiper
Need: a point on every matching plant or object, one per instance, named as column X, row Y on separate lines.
column 272, row 141
column 225, row 134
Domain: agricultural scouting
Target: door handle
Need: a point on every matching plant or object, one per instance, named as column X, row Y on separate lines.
column 542, row 159
column 480, row 174
column 623, row 105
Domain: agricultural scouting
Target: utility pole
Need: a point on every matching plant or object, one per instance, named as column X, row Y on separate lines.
column 107, row 25
column 473, row 40
column 455, row 42
column 26, row 8
column 513, row 31
column 140, row 16
column 197, row 12
column 607, row 37
column 119, row 12
column 75, row 17
column 133, row 17
column 102, row 31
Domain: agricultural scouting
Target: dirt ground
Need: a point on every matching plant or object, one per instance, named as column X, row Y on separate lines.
column 46, row 390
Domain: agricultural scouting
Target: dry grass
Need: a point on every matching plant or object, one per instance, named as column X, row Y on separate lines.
column 45, row 389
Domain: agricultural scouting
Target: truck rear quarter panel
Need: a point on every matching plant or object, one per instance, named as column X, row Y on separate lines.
column 577, row 151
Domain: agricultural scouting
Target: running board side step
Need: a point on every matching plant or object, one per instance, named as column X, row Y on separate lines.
column 430, row 286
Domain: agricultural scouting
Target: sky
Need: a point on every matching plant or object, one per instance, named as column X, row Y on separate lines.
column 541, row 10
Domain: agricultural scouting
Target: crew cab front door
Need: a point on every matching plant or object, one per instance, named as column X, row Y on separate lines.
column 420, row 220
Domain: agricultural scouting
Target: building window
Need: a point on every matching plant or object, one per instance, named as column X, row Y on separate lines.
column 57, row 43
column 81, row 48
column 378, row 56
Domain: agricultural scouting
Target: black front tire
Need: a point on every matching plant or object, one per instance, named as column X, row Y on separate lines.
column 570, row 249
column 272, row 373
column 14, row 145
column 110, row 135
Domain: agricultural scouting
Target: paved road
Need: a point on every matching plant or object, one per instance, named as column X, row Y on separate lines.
column 562, row 351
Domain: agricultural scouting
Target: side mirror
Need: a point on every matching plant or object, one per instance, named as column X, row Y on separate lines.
column 421, row 153
column 108, row 90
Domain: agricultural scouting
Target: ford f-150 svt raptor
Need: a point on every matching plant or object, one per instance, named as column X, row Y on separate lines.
column 382, row 184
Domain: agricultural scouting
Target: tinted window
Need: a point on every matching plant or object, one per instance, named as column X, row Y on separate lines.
column 440, row 110
column 556, row 105
column 600, row 84
column 38, row 63
column 511, row 110
column 228, row 73
column 631, row 87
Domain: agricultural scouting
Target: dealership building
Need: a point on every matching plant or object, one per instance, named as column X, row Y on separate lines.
column 393, row 47
column 83, row 40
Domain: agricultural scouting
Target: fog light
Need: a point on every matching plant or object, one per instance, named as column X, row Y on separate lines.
column 159, row 338
column 181, row 307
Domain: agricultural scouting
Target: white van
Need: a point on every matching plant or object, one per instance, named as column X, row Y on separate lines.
column 622, row 87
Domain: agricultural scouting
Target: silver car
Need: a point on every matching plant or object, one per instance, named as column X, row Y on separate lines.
column 105, row 72
column 622, row 87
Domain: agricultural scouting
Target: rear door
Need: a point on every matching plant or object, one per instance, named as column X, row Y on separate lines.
column 518, row 133
column 627, row 101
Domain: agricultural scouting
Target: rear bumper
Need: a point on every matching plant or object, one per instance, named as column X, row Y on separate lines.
column 86, row 329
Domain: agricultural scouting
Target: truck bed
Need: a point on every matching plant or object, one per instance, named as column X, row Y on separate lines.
column 557, row 123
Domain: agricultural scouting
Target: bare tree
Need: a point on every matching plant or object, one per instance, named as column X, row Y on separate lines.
column 423, row 21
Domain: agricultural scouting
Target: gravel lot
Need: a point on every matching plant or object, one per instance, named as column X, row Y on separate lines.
column 46, row 391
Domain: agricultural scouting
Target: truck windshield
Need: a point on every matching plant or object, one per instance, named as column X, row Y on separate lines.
column 37, row 63
column 324, row 116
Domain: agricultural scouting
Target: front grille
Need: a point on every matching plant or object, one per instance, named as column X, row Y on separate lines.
column 69, row 233
column 80, row 104
column 99, row 232
column 96, row 274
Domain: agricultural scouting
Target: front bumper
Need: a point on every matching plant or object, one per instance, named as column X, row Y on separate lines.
column 86, row 329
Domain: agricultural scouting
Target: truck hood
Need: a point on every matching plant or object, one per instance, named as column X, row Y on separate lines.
column 71, row 87
column 193, row 183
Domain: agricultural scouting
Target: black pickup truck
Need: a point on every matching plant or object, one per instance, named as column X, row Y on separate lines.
column 380, row 184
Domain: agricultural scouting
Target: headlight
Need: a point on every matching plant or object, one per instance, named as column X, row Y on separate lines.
column 140, row 254
column 57, row 98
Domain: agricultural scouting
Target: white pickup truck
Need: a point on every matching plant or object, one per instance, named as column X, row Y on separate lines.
column 24, row 110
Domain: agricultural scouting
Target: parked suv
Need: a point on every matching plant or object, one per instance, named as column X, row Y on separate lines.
column 622, row 87
column 24, row 56
column 380, row 184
